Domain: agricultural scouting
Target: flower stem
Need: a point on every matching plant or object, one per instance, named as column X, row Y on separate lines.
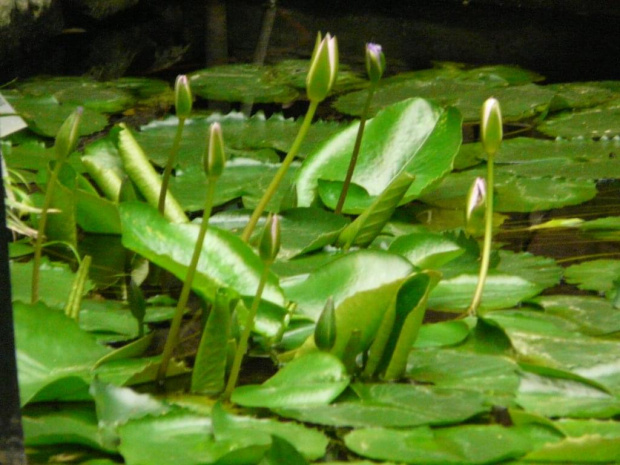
column 171, row 340
column 488, row 237
column 38, row 245
column 161, row 206
column 245, row 336
column 356, row 149
column 277, row 179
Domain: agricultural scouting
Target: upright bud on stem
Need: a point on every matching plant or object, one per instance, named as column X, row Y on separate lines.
column 475, row 211
column 323, row 68
column 491, row 131
column 67, row 136
column 182, row 97
column 375, row 62
column 215, row 157
column 270, row 241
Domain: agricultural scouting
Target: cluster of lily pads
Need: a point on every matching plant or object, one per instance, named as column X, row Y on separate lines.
column 333, row 287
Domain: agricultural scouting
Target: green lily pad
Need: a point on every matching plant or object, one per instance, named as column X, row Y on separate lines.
column 594, row 275
column 241, row 83
column 55, row 357
column 45, row 115
column 575, row 95
column 589, row 124
column 426, row 250
column 55, row 282
column 556, row 397
column 184, row 438
column 313, row 379
column 226, row 260
column 395, row 405
column 390, row 146
column 310, row 443
column 469, row 444
column 491, row 375
column 547, row 340
column 73, row 423
column 445, row 333
column 513, row 193
column 342, row 278
column 593, row 315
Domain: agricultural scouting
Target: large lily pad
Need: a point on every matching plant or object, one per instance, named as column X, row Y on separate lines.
column 415, row 136
column 352, row 273
column 595, row 275
column 395, row 405
column 225, row 259
column 313, row 379
column 592, row 123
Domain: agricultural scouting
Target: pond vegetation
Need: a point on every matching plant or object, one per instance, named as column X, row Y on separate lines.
column 352, row 313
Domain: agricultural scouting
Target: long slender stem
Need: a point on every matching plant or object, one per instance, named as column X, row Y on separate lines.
column 277, row 179
column 161, row 206
column 488, row 237
column 356, row 150
column 245, row 336
column 38, row 245
column 171, row 340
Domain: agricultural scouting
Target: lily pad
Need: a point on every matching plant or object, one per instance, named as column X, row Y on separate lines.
column 594, row 275
column 226, row 260
column 415, row 136
column 395, row 405
column 352, row 273
column 313, row 379
column 469, row 444
column 592, row 123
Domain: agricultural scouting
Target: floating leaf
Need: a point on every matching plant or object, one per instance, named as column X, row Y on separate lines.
column 413, row 136
column 592, row 123
column 344, row 277
column 469, row 444
column 394, row 405
column 226, row 261
column 426, row 250
column 594, row 275
column 313, row 379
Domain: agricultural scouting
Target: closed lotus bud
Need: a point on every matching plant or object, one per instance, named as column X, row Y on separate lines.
column 182, row 97
column 270, row 241
column 215, row 157
column 67, row 136
column 491, row 131
column 474, row 214
column 323, row 68
column 325, row 330
column 375, row 62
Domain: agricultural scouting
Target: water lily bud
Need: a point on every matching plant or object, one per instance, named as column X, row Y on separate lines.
column 67, row 136
column 323, row 68
column 215, row 157
column 491, row 131
column 182, row 97
column 476, row 199
column 270, row 241
column 325, row 330
column 375, row 62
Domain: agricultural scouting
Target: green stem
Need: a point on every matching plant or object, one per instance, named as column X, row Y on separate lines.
column 245, row 336
column 356, row 150
column 38, row 245
column 488, row 237
column 161, row 206
column 171, row 340
column 277, row 179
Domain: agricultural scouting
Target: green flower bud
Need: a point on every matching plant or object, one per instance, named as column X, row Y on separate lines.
column 182, row 97
column 476, row 199
column 215, row 157
column 491, row 131
column 67, row 136
column 375, row 62
column 323, row 68
column 325, row 330
column 270, row 241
